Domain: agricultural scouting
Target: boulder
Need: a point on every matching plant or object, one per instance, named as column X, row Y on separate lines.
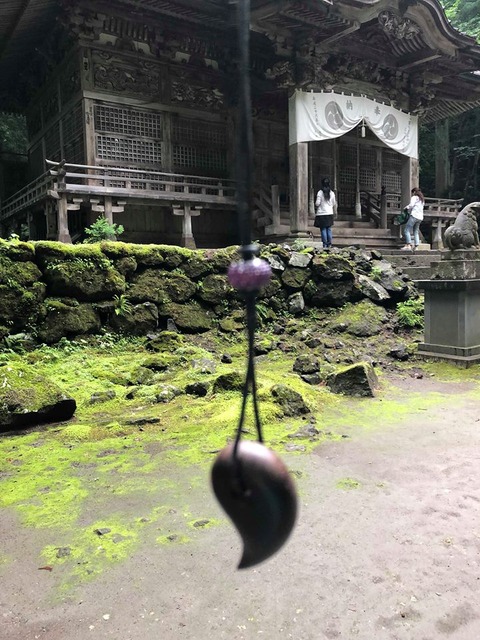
column 328, row 266
column 306, row 363
column 189, row 317
column 27, row 398
column 67, row 318
column 290, row 401
column 139, row 321
column 199, row 389
column 232, row 381
column 385, row 275
column 214, row 288
column 301, row 260
column 158, row 286
column 296, row 303
column 362, row 319
column 372, row 289
column 164, row 341
column 358, row 380
column 295, row 277
column 331, row 293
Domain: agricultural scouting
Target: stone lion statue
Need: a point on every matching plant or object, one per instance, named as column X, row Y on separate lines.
column 463, row 234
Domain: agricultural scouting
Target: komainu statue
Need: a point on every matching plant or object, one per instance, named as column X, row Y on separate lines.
column 463, row 234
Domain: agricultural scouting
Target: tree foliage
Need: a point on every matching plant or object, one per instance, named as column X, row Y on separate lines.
column 13, row 133
column 464, row 138
column 464, row 15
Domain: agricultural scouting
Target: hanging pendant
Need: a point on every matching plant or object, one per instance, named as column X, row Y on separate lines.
column 255, row 489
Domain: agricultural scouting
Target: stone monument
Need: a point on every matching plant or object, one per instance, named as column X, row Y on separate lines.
column 452, row 296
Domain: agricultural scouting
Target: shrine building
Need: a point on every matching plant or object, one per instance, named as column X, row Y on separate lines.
column 131, row 113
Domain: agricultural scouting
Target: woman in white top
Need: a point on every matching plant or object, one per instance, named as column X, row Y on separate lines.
column 324, row 212
column 413, row 223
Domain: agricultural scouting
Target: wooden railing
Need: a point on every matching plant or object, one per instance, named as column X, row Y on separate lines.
column 32, row 193
column 79, row 179
column 84, row 180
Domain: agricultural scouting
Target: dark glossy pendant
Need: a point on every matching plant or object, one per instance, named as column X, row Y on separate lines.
column 258, row 494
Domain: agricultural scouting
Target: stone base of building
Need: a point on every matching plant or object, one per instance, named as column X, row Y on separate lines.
column 461, row 356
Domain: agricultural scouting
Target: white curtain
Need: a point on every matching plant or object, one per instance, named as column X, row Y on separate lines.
column 323, row 116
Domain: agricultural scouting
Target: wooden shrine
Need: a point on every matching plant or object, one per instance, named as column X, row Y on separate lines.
column 131, row 111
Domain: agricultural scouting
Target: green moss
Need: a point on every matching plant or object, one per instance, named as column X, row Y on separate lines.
column 348, row 484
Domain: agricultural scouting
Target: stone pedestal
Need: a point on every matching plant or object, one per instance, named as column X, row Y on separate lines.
column 452, row 308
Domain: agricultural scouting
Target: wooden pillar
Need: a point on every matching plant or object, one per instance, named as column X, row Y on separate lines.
column 383, row 208
column 442, row 162
column 299, row 189
column 63, row 234
column 276, row 221
column 108, row 211
column 437, row 240
column 186, row 212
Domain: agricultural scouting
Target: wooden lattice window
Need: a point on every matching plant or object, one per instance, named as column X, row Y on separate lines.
column 199, row 132
column 368, row 179
column 128, row 136
column 130, row 122
column 392, row 181
column 199, row 147
column 348, row 155
column 72, row 126
column 368, row 157
column 392, row 161
column 129, row 150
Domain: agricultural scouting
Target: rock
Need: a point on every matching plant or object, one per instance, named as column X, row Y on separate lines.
column 232, row 381
column 141, row 376
column 306, row 363
column 204, row 365
column 67, row 318
column 358, row 380
column 215, row 288
column 171, row 326
column 154, row 285
column 264, row 345
column 103, row 531
column 372, row 289
column 295, row 277
column 296, row 303
column 27, row 398
column 311, row 378
column 201, row 523
column 275, row 262
column 313, row 342
column 301, row 260
column 290, row 401
column 362, row 319
column 63, row 552
column 87, row 278
column 328, row 266
column 199, row 389
column 166, row 393
column 102, row 396
column 158, row 363
column 331, row 293
column 230, row 325
column 399, row 352
column 385, row 275
column 226, row 358
column 164, row 341
column 197, row 266
column 189, row 317
column 141, row 320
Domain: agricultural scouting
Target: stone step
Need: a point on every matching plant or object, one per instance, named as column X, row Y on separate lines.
column 415, row 265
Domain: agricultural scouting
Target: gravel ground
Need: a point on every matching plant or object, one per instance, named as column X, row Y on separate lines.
column 391, row 553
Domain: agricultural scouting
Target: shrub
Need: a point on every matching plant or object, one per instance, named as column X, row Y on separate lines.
column 410, row 313
column 101, row 229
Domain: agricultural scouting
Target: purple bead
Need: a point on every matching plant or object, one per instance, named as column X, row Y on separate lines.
column 249, row 275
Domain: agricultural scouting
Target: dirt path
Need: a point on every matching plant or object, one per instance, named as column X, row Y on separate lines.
column 387, row 547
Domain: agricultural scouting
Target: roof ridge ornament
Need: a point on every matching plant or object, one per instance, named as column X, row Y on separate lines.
column 397, row 27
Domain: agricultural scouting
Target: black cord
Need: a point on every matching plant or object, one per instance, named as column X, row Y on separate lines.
column 244, row 206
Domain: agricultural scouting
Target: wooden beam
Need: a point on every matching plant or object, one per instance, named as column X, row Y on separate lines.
column 416, row 59
column 341, row 34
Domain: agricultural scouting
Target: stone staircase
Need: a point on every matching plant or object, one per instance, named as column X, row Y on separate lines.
column 416, row 265
column 348, row 230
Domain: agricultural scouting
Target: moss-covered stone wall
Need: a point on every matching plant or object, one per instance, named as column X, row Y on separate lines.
column 50, row 290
